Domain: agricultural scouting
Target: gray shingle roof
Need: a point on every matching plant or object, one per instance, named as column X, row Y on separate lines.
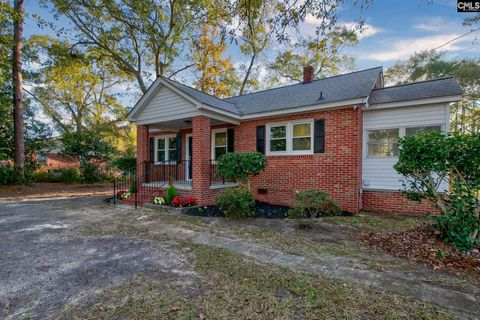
column 204, row 98
column 418, row 90
column 337, row 88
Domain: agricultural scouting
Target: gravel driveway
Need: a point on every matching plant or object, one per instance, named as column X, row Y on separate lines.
column 46, row 264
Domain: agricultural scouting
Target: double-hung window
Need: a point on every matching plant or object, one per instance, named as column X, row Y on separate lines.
column 219, row 143
column 290, row 138
column 384, row 142
column 166, row 148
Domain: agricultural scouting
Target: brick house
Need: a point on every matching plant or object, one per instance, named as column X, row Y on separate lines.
column 338, row 134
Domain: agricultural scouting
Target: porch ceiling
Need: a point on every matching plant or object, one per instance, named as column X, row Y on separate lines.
column 179, row 124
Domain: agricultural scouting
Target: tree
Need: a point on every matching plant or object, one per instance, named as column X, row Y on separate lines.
column 465, row 115
column 325, row 56
column 18, row 121
column 75, row 92
column 216, row 75
column 135, row 35
column 261, row 22
column 36, row 133
column 429, row 160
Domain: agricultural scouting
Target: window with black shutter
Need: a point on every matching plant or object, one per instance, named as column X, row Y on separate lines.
column 261, row 139
column 319, row 136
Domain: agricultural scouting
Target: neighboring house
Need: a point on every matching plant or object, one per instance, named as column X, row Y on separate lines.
column 51, row 157
column 338, row 134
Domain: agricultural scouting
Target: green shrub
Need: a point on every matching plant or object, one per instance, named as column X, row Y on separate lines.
column 240, row 166
column 237, row 203
column 313, row 203
column 11, row 175
column 132, row 188
column 68, row 176
column 430, row 160
column 44, row 176
column 89, row 172
column 170, row 193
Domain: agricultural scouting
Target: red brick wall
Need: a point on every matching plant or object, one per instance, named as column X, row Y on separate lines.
column 201, row 131
column 142, row 143
column 393, row 202
column 336, row 171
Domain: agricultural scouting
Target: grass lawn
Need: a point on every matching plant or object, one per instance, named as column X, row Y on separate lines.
column 231, row 286
column 228, row 285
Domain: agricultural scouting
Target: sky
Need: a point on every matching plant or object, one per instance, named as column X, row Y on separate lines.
column 394, row 30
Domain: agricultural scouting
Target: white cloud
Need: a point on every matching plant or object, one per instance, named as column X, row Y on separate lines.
column 438, row 25
column 367, row 32
column 311, row 23
column 402, row 49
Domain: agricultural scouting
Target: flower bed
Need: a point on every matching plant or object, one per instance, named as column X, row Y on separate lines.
column 262, row 210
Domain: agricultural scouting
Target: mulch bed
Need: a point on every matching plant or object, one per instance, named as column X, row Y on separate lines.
column 423, row 245
column 262, row 210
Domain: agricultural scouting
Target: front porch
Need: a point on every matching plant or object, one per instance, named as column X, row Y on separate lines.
column 183, row 152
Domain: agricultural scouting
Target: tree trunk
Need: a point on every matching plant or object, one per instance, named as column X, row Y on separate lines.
column 247, row 75
column 18, row 121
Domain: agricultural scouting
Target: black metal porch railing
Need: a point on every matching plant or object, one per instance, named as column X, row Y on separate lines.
column 149, row 177
column 215, row 177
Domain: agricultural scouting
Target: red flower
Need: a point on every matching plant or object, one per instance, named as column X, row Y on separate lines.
column 121, row 192
column 177, row 202
column 190, row 201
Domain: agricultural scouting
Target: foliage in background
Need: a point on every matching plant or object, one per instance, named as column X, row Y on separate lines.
column 13, row 175
column 241, row 166
column 236, row 202
column 313, row 203
column 36, row 132
column 324, row 55
column 215, row 74
column 67, row 176
column 429, row 161
column 465, row 115
column 124, row 164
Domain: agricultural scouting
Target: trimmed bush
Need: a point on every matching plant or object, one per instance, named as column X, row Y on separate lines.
column 313, row 203
column 240, row 166
column 237, row 203
column 170, row 194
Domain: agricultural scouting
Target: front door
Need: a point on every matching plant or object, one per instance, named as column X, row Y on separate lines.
column 188, row 157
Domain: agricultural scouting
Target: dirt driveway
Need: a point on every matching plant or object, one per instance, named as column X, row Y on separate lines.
column 45, row 264
column 81, row 257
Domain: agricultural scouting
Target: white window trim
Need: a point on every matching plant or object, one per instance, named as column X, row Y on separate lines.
column 165, row 137
column 289, row 137
column 212, row 147
column 401, row 133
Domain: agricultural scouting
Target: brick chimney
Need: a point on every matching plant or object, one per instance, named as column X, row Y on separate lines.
column 307, row 74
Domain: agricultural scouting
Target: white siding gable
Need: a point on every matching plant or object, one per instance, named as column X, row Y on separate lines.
column 378, row 172
column 166, row 105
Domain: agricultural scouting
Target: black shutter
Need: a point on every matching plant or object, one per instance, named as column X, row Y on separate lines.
column 230, row 139
column 261, row 139
column 179, row 148
column 151, row 149
column 319, row 137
